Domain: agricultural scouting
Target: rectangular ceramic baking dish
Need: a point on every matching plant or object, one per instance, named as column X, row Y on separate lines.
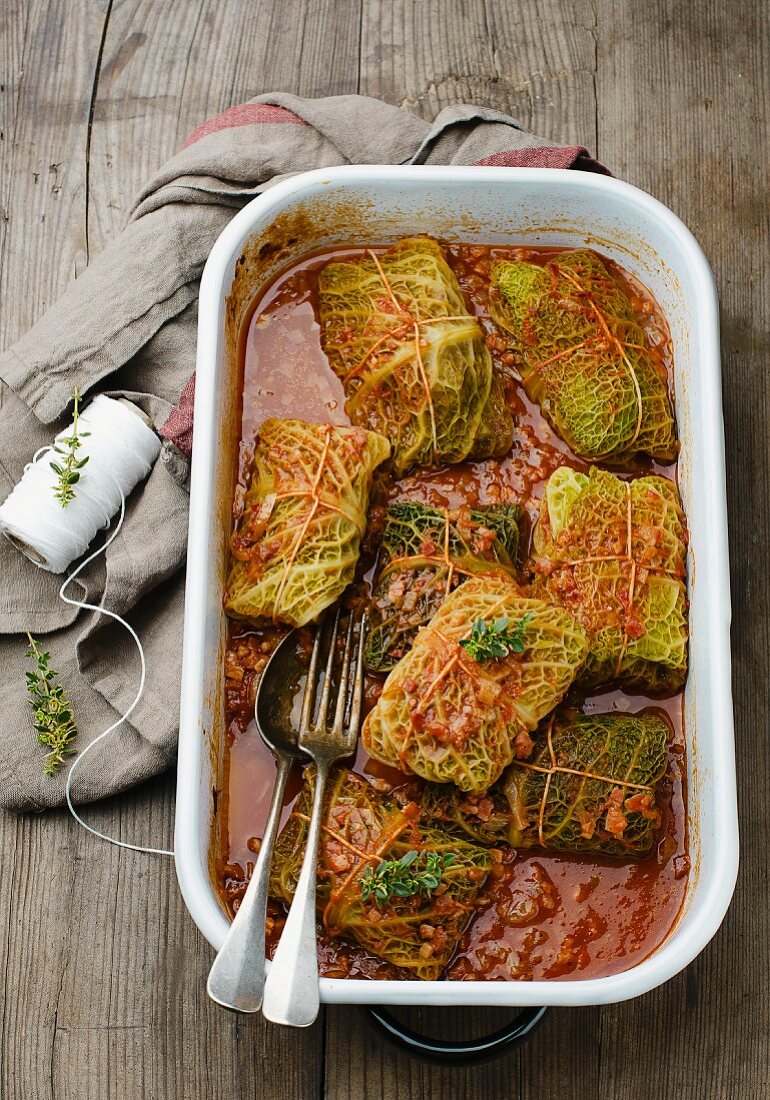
column 379, row 204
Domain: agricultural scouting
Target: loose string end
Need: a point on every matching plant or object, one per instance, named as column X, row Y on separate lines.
column 100, row 610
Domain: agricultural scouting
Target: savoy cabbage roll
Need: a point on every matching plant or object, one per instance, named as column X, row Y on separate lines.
column 401, row 888
column 478, row 679
column 425, row 554
column 583, row 356
column 592, row 784
column 613, row 553
column 412, row 359
column 296, row 547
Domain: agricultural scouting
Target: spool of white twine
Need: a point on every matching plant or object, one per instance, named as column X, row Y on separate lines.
column 121, row 450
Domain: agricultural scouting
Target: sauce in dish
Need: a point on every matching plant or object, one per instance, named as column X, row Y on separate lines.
column 547, row 908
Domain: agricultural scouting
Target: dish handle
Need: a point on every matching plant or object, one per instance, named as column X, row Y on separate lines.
column 452, row 1053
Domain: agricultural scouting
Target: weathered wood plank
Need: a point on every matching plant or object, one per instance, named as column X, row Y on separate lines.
column 48, row 53
column 360, row 1066
column 534, row 61
column 168, row 67
column 49, row 56
column 690, row 125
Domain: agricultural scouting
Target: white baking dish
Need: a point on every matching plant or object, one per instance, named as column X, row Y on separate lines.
column 373, row 204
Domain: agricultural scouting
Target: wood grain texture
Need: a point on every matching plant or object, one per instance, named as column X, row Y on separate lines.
column 168, row 66
column 535, row 61
column 49, row 53
column 696, row 134
column 103, row 973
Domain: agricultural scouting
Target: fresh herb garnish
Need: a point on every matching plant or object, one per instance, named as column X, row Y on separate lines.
column 415, row 873
column 491, row 641
column 68, row 468
column 52, row 711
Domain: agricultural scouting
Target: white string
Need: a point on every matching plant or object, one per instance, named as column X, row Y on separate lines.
column 100, row 610
column 121, row 449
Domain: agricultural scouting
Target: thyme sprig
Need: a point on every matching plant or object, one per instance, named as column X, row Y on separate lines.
column 68, row 468
column 491, row 641
column 415, row 873
column 52, row 712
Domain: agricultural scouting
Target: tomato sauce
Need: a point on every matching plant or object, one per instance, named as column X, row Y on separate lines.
column 540, row 915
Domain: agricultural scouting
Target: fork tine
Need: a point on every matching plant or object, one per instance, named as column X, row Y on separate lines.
column 358, row 685
column 310, row 683
column 323, row 706
column 342, row 687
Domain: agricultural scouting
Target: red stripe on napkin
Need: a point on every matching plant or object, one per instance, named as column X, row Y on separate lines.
column 545, row 156
column 179, row 425
column 245, row 114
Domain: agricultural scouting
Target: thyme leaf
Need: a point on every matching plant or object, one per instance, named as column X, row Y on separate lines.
column 489, row 641
column 67, row 468
column 415, row 873
column 52, row 712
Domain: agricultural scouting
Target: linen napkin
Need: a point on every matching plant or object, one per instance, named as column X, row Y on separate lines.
column 127, row 327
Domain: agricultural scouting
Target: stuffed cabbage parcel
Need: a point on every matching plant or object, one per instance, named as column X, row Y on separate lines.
column 477, row 680
column 591, row 785
column 583, row 356
column 426, row 553
column 412, row 359
column 296, row 548
column 401, row 888
column 613, row 553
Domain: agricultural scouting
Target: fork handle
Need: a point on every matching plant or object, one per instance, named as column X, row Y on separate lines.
column 291, row 989
column 237, row 978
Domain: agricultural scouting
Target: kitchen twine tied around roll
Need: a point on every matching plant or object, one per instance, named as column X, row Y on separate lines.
column 121, row 448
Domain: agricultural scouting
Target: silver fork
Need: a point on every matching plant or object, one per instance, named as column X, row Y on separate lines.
column 291, row 989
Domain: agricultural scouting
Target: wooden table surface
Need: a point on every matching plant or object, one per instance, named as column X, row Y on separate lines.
column 104, row 972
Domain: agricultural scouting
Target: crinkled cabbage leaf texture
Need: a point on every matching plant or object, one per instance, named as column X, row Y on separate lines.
column 449, row 718
column 591, row 785
column 361, row 828
column 297, row 545
column 426, row 553
column 412, row 359
column 584, row 357
column 613, row 553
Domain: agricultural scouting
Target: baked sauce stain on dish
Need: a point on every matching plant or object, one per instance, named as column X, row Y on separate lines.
column 540, row 915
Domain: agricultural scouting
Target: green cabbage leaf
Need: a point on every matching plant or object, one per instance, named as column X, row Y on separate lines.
column 449, row 718
column 426, row 553
column 592, row 785
column 583, row 356
column 362, row 829
column 613, row 553
column 412, row 359
column 296, row 548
